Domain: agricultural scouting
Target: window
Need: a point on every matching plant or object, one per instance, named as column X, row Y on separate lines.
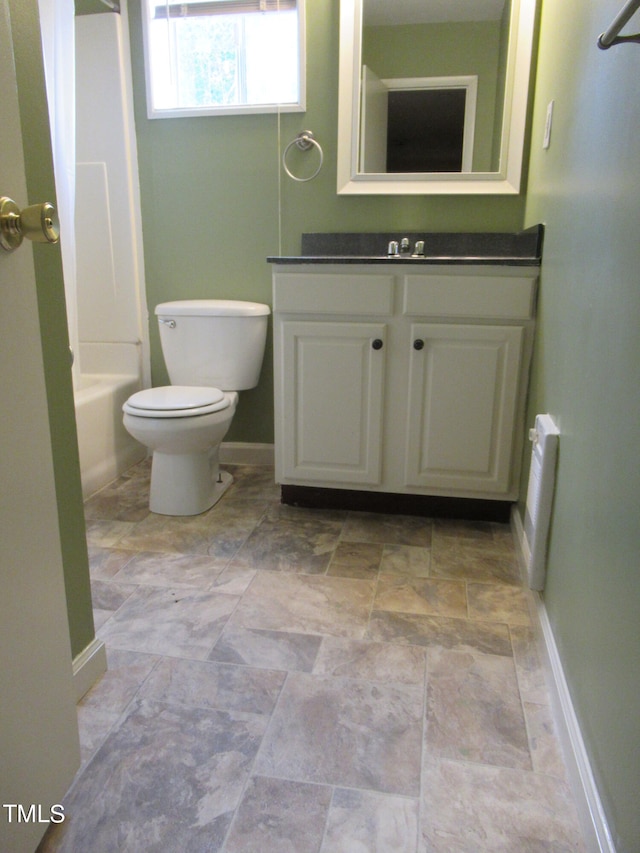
column 209, row 57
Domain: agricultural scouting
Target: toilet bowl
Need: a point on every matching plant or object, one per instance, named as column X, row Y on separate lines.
column 183, row 426
column 218, row 342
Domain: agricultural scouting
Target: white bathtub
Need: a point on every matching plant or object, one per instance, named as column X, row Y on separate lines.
column 106, row 448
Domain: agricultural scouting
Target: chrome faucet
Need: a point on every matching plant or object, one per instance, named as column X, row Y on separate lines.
column 397, row 250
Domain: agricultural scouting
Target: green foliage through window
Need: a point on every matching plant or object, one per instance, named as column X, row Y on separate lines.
column 219, row 61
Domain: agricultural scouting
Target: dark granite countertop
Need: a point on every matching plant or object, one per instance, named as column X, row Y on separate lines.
column 454, row 248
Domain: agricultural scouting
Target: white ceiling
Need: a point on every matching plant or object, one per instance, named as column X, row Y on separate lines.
column 389, row 12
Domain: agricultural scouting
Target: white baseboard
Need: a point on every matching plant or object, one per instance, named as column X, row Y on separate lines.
column 592, row 817
column 593, row 820
column 88, row 666
column 246, row 453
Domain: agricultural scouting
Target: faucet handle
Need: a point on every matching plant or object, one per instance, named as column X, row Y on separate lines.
column 392, row 249
column 418, row 252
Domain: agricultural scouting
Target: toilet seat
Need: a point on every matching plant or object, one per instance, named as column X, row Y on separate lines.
column 176, row 401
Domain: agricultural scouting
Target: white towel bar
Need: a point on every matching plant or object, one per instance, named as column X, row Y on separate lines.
column 610, row 36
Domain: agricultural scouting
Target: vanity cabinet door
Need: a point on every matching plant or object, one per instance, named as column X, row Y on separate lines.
column 463, row 390
column 329, row 398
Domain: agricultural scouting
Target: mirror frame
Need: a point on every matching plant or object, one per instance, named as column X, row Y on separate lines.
column 506, row 181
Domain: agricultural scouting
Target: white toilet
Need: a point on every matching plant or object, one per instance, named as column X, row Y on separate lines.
column 212, row 348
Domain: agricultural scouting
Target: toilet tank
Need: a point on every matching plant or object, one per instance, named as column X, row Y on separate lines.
column 213, row 342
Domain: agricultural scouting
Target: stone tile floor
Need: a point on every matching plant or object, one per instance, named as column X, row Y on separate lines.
column 284, row 680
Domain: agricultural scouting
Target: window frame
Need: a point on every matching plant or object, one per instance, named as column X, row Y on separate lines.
column 227, row 109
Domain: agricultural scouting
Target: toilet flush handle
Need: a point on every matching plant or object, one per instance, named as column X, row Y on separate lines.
column 170, row 323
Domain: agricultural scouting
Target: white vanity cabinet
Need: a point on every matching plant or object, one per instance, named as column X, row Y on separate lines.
column 461, row 403
column 332, row 401
column 401, row 378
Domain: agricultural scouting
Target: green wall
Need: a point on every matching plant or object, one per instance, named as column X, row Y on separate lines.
column 586, row 190
column 211, row 206
column 53, row 321
column 90, row 7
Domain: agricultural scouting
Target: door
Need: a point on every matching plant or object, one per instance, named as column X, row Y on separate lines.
column 463, row 385
column 373, row 122
column 39, row 750
column 331, row 402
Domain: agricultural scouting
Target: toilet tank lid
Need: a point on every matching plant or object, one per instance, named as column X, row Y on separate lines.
column 212, row 308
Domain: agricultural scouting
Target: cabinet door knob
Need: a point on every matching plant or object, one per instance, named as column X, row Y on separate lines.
column 377, row 343
column 418, row 344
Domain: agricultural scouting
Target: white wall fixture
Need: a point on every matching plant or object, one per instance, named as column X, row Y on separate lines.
column 542, row 475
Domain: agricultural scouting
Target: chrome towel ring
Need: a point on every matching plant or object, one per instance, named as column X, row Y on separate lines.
column 304, row 141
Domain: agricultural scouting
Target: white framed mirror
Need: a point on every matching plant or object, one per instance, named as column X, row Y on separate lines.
column 392, row 53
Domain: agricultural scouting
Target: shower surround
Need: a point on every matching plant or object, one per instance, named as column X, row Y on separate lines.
column 112, row 334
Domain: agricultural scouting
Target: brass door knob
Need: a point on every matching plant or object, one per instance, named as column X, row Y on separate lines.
column 37, row 222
